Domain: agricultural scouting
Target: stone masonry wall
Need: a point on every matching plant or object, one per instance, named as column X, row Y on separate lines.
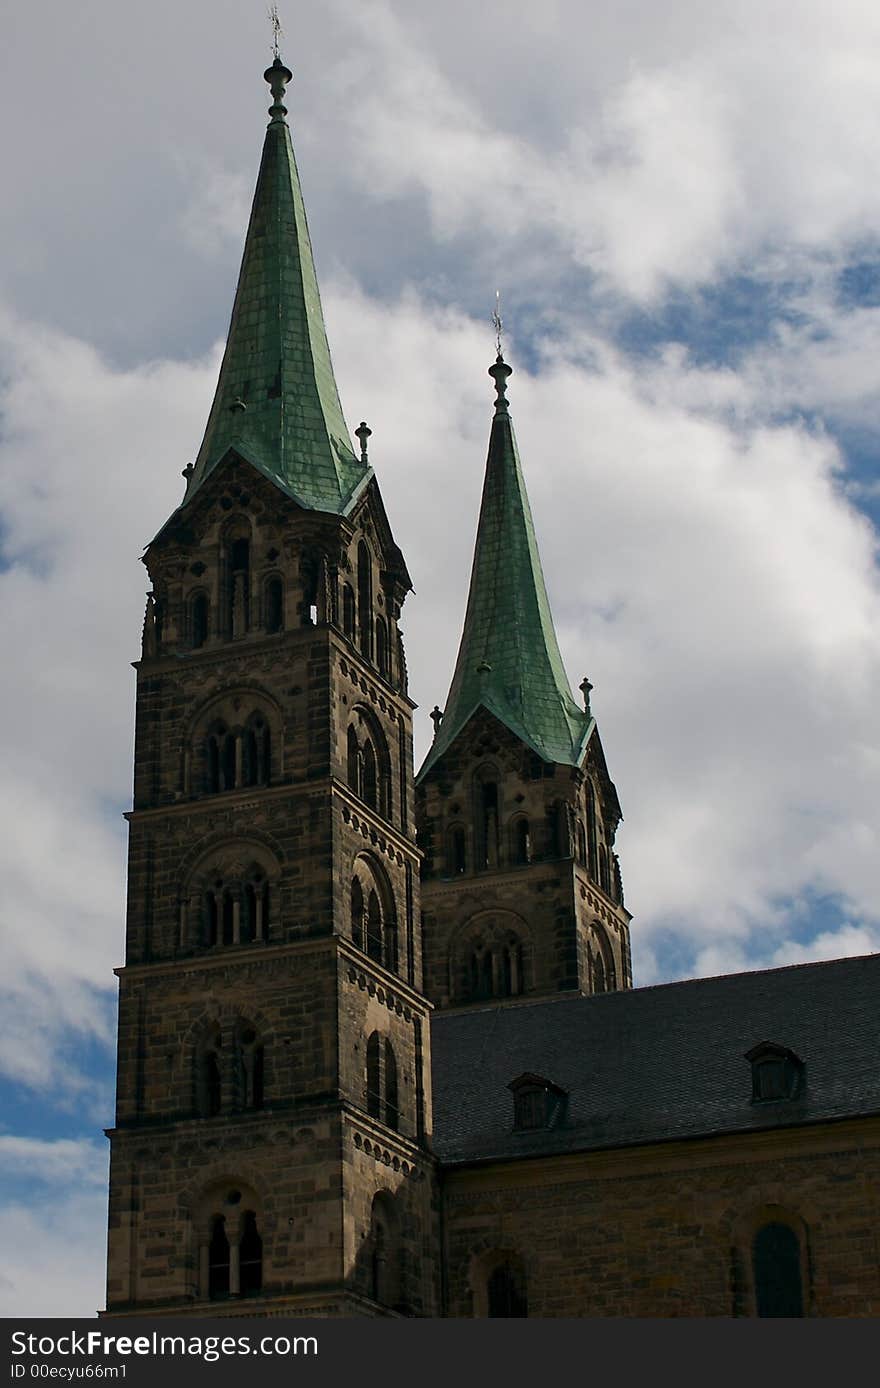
column 666, row 1231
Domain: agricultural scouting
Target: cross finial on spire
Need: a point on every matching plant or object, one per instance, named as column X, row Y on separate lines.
column 498, row 322
column 499, row 370
column 586, row 689
column 277, row 75
column 277, row 30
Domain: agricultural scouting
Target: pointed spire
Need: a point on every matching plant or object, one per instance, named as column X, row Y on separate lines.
column 276, row 401
column 508, row 659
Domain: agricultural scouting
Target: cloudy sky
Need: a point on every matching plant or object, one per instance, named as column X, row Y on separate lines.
column 680, row 206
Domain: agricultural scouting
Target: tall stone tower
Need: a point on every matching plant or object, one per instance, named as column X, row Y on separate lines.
column 517, row 814
column 271, row 1147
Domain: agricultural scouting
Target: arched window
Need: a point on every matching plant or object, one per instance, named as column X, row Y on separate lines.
column 506, row 1292
column 374, row 928
column 238, row 587
column 236, row 912
column 208, row 1082
column 368, row 765
column 218, row 1260
column 392, row 1110
column 383, row 1095
column 256, row 752
column 486, row 794
column 392, row 947
column 522, row 842
column 250, row 1256
column 457, row 850
column 273, row 604
column 378, row 1260
column 592, row 841
column 374, row 1084
column 231, row 1258
column 496, row 969
column 357, row 914
column 255, row 903
column 229, row 763
column 776, row 1256
column 602, row 964
column 353, row 754
column 370, row 786
column 600, row 977
column 198, row 620
column 581, row 844
column 231, row 743
column 384, row 1253
column 348, row 620
column 220, row 759
column 604, row 877
column 365, row 600
column 382, row 646
column 616, row 879
column 211, row 922
column 490, row 956
column 250, row 1065
column 234, row 759
column 481, row 973
column 212, row 764
column 158, row 620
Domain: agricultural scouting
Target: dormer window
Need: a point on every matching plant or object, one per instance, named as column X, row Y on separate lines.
column 537, row 1103
column 777, row 1073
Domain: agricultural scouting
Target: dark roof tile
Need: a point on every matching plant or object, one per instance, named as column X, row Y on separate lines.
column 658, row 1063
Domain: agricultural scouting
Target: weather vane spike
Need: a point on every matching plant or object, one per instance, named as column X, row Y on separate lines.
column 498, row 321
column 277, row 30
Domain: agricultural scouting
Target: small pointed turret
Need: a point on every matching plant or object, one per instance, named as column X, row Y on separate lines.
column 276, row 401
column 508, row 659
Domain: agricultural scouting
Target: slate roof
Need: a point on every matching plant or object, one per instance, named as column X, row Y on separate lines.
column 660, row 1063
column 276, row 402
column 508, row 658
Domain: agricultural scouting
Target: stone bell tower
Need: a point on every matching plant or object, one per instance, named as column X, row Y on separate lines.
column 271, row 1147
column 517, row 814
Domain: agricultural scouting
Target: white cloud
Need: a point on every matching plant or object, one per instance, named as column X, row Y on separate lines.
column 54, row 1241
column 667, row 160
column 708, row 572
column 706, row 564
column 62, row 1161
column 89, row 471
column 848, row 941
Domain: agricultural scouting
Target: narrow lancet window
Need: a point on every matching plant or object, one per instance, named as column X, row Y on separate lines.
column 273, row 605
column 365, row 600
column 199, row 620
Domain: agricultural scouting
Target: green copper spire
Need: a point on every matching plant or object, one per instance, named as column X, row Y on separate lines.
column 276, row 401
column 509, row 660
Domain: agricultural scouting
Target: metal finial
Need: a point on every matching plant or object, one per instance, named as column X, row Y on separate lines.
column 277, row 30
column 436, row 718
column 277, row 75
column 498, row 322
column 500, row 371
column 586, row 688
column 363, row 433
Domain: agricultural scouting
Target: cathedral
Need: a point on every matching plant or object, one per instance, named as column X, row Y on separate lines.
column 379, row 1051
